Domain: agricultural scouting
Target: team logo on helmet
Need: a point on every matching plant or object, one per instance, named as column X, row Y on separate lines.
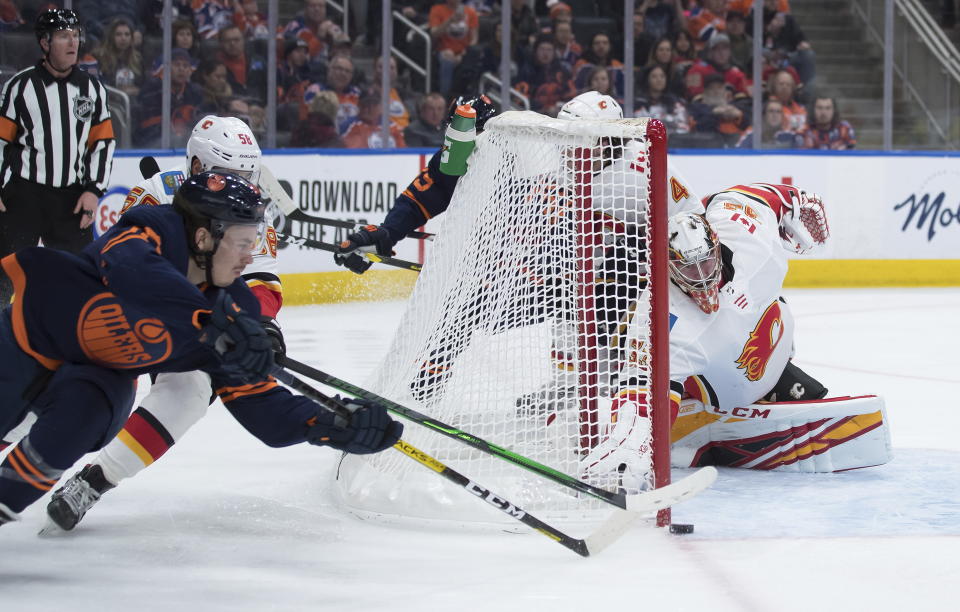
column 762, row 342
column 206, row 124
column 82, row 107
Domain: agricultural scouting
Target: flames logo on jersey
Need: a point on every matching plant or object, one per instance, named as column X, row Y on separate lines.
column 107, row 338
column 762, row 342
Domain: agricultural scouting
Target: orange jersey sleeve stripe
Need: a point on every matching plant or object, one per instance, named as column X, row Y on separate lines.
column 145, row 234
column 228, row 394
column 19, row 279
column 423, row 208
column 101, row 131
column 8, row 129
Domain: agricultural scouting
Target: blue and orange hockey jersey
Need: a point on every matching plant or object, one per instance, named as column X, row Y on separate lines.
column 125, row 304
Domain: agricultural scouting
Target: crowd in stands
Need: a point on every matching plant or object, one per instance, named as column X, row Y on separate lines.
column 693, row 67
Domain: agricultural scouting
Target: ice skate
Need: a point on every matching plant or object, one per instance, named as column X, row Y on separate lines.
column 71, row 501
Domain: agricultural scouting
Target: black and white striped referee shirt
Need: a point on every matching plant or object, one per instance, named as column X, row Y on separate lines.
column 56, row 132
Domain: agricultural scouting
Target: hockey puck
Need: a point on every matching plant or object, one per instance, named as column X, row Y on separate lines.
column 681, row 528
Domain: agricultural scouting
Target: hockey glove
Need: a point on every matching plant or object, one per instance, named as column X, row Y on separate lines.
column 243, row 347
column 625, row 441
column 370, row 429
column 804, row 223
column 367, row 239
column 276, row 336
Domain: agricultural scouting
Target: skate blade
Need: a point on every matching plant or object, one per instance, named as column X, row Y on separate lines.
column 50, row 530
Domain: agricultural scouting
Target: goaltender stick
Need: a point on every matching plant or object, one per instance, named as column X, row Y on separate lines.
column 736, row 397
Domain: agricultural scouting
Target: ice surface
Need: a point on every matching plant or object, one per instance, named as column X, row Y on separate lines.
column 224, row 523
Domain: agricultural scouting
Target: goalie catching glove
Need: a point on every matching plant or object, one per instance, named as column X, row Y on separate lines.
column 369, row 430
column 368, row 239
column 239, row 341
column 804, row 223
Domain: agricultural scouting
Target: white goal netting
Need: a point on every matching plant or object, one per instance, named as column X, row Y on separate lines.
column 518, row 326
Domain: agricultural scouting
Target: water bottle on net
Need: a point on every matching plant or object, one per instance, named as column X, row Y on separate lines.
column 459, row 141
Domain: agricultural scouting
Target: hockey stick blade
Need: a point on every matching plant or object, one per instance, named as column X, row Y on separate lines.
column 647, row 501
column 614, row 527
column 324, row 246
column 673, row 493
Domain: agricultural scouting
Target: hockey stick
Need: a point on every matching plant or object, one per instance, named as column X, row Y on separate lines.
column 269, row 183
column 148, row 167
column 647, row 501
column 302, row 217
column 324, row 246
column 603, row 536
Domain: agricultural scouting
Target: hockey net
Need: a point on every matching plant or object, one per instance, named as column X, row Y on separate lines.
column 517, row 327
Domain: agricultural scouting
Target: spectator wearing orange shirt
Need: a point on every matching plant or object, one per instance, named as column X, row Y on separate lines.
column 399, row 115
column 365, row 131
column 453, row 28
column 828, row 131
column 782, row 86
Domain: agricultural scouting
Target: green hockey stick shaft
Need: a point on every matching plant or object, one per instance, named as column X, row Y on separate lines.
column 616, row 499
column 602, row 537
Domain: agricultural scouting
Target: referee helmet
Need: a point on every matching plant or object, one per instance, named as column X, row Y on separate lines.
column 54, row 20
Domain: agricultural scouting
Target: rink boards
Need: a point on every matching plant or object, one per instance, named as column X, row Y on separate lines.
column 894, row 217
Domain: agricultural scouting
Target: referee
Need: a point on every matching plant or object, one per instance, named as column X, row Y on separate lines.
column 57, row 143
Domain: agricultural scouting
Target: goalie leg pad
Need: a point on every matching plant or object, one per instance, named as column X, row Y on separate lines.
column 828, row 435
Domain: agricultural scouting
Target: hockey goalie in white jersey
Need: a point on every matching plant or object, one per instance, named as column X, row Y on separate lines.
column 178, row 400
column 736, row 398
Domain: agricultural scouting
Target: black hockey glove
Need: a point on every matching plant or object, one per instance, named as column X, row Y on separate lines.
column 367, row 239
column 370, row 429
column 240, row 342
column 276, row 336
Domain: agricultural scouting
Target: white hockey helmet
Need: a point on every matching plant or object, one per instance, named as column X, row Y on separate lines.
column 225, row 144
column 695, row 264
column 591, row 105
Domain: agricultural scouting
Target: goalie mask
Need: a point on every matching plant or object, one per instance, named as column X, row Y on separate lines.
column 695, row 264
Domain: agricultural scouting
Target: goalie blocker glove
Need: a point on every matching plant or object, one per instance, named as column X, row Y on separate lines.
column 244, row 348
column 370, row 429
column 367, row 239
